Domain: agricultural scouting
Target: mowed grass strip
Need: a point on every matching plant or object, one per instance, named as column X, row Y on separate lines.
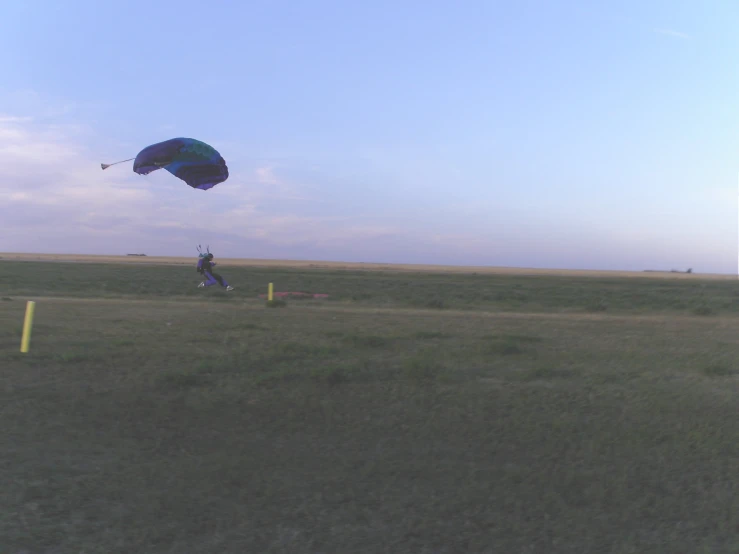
column 191, row 426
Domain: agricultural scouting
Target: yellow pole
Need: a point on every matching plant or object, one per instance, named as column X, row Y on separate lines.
column 270, row 292
column 27, row 324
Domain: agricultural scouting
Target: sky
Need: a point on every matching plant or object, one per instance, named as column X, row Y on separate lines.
column 552, row 134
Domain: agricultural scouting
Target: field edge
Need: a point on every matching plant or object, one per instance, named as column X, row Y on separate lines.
column 360, row 266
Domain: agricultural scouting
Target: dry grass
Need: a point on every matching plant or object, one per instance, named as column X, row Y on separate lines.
column 198, row 423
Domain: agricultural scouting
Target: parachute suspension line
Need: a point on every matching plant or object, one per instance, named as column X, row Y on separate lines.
column 106, row 166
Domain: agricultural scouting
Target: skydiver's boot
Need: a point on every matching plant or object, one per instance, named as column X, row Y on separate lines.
column 229, row 287
column 201, row 285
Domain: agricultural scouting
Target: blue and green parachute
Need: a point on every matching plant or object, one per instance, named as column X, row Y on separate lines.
column 198, row 164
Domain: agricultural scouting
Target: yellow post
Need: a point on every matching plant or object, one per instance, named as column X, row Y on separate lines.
column 270, row 292
column 27, row 324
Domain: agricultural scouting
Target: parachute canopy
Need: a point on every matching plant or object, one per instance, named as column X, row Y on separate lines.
column 198, row 164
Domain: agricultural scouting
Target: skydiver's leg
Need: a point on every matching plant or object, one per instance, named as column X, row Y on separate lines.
column 221, row 280
column 210, row 281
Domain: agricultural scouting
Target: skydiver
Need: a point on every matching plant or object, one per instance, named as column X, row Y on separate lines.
column 205, row 267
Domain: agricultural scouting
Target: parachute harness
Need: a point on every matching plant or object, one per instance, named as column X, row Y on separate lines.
column 203, row 256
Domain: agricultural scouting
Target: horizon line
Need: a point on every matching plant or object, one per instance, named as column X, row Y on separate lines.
column 142, row 258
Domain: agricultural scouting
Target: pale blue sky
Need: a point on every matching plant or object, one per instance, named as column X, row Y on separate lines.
column 529, row 133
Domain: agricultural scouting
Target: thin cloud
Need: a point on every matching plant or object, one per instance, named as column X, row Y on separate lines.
column 266, row 176
column 672, row 33
column 13, row 119
column 267, row 185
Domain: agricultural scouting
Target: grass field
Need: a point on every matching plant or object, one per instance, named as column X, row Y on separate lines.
column 411, row 411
